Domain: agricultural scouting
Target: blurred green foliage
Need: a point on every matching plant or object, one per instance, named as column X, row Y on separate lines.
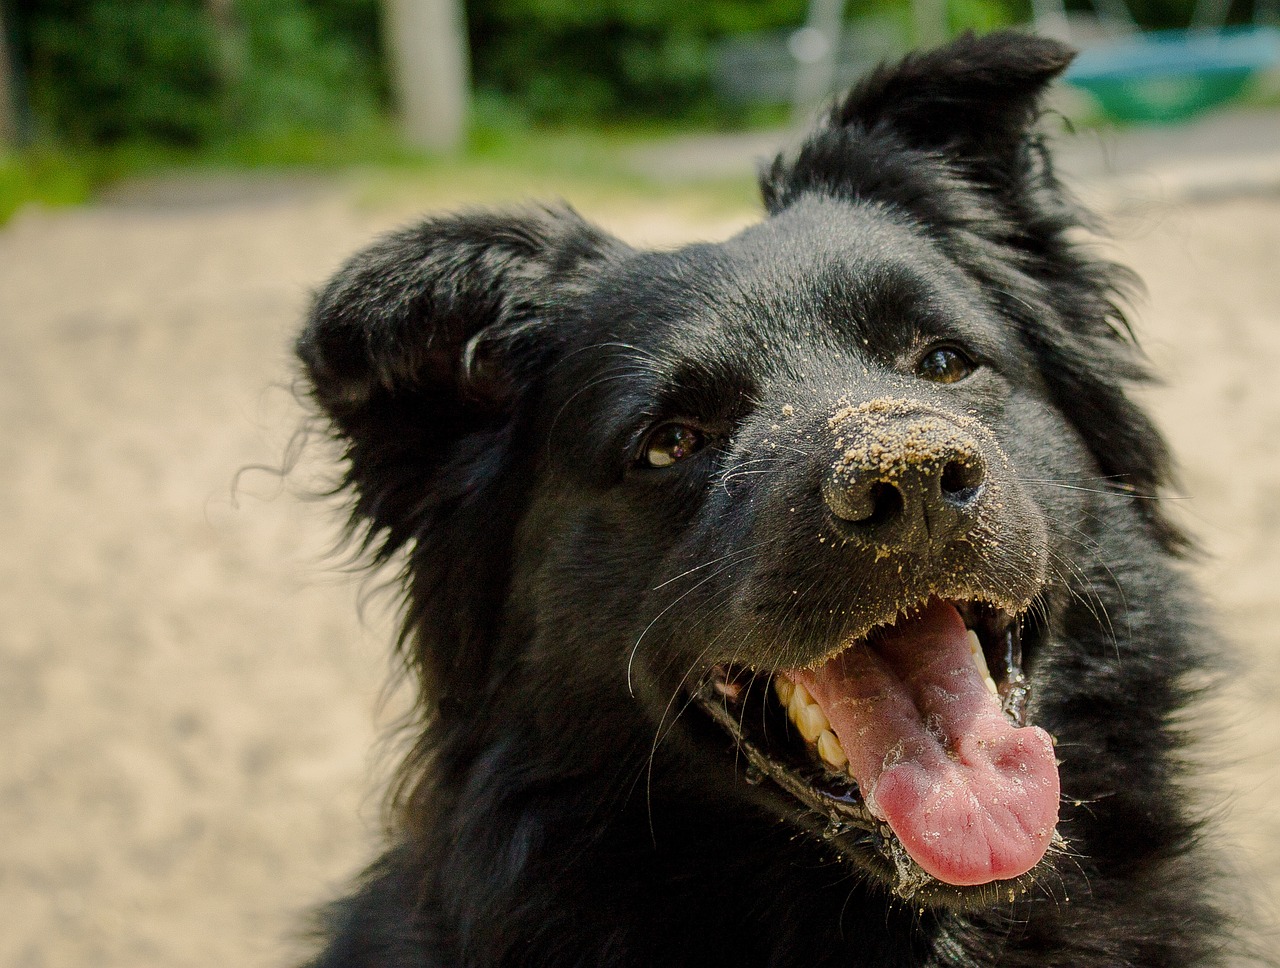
column 104, row 71
column 202, row 73
column 566, row 60
column 197, row 72
column 559, row 59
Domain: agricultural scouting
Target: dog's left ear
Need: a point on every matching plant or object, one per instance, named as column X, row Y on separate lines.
column 418, row 349
column 972, row 101
column 420, row 353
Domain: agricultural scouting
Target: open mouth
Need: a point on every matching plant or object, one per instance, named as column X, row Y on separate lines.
column 909, row 746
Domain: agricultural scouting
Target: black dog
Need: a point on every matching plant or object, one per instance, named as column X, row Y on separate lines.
column 797, row 600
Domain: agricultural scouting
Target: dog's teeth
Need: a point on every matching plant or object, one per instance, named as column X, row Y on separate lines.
column 831, row 751
column 980, row 660
column 797, row 703
column 784, row 688
column 806, row 714
column 800, row 700
column 812, row 722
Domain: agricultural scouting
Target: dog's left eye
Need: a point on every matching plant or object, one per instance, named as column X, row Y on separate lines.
column 670, row 443
column 945, row 364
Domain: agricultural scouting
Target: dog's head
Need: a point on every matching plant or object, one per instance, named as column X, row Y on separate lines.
column 795, row 483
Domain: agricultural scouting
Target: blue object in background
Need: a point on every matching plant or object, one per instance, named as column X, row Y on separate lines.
column 1172, row 74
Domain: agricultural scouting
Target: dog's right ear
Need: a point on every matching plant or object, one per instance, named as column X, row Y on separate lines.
column 419, row 347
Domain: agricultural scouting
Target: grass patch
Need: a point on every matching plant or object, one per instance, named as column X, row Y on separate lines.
column 511, row 160
column 57, row 175
column 41, row 176
column 505, row 159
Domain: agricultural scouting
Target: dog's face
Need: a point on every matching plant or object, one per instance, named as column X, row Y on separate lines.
column 792, row 515
column 800, row 465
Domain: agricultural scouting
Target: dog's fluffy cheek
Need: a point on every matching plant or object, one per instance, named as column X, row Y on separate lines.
column 1053, row 465
column 584, row 582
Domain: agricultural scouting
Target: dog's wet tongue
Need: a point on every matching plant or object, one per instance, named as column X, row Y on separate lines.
column 971, row 797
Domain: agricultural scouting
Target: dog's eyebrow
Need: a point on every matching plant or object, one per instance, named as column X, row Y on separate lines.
column 917, row 310
column 713, row 386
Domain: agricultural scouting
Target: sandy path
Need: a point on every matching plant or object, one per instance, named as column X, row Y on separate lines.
column 187, row 700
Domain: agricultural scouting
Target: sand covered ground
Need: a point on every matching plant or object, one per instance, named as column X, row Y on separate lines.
column 188, row 700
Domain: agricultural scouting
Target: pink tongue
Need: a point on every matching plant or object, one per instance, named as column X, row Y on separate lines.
column 972, row 798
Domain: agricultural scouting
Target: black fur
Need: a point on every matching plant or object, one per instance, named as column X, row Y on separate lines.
column 493, row 376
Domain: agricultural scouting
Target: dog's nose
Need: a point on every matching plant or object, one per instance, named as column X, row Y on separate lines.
column 905, row 483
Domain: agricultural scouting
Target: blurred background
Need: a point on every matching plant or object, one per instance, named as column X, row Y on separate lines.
column 194, row 699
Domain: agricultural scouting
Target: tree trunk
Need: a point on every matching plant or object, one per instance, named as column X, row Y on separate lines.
column 427, row 50
column 8, row 91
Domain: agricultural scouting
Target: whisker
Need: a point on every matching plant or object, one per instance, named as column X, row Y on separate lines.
column 635, row 648
column 1120, row 490
column 707, row 564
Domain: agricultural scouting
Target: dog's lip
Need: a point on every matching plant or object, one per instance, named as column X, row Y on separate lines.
column 836, row 809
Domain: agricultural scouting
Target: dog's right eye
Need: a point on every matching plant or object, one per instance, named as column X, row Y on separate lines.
column 945, row 364
column 669, row 443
